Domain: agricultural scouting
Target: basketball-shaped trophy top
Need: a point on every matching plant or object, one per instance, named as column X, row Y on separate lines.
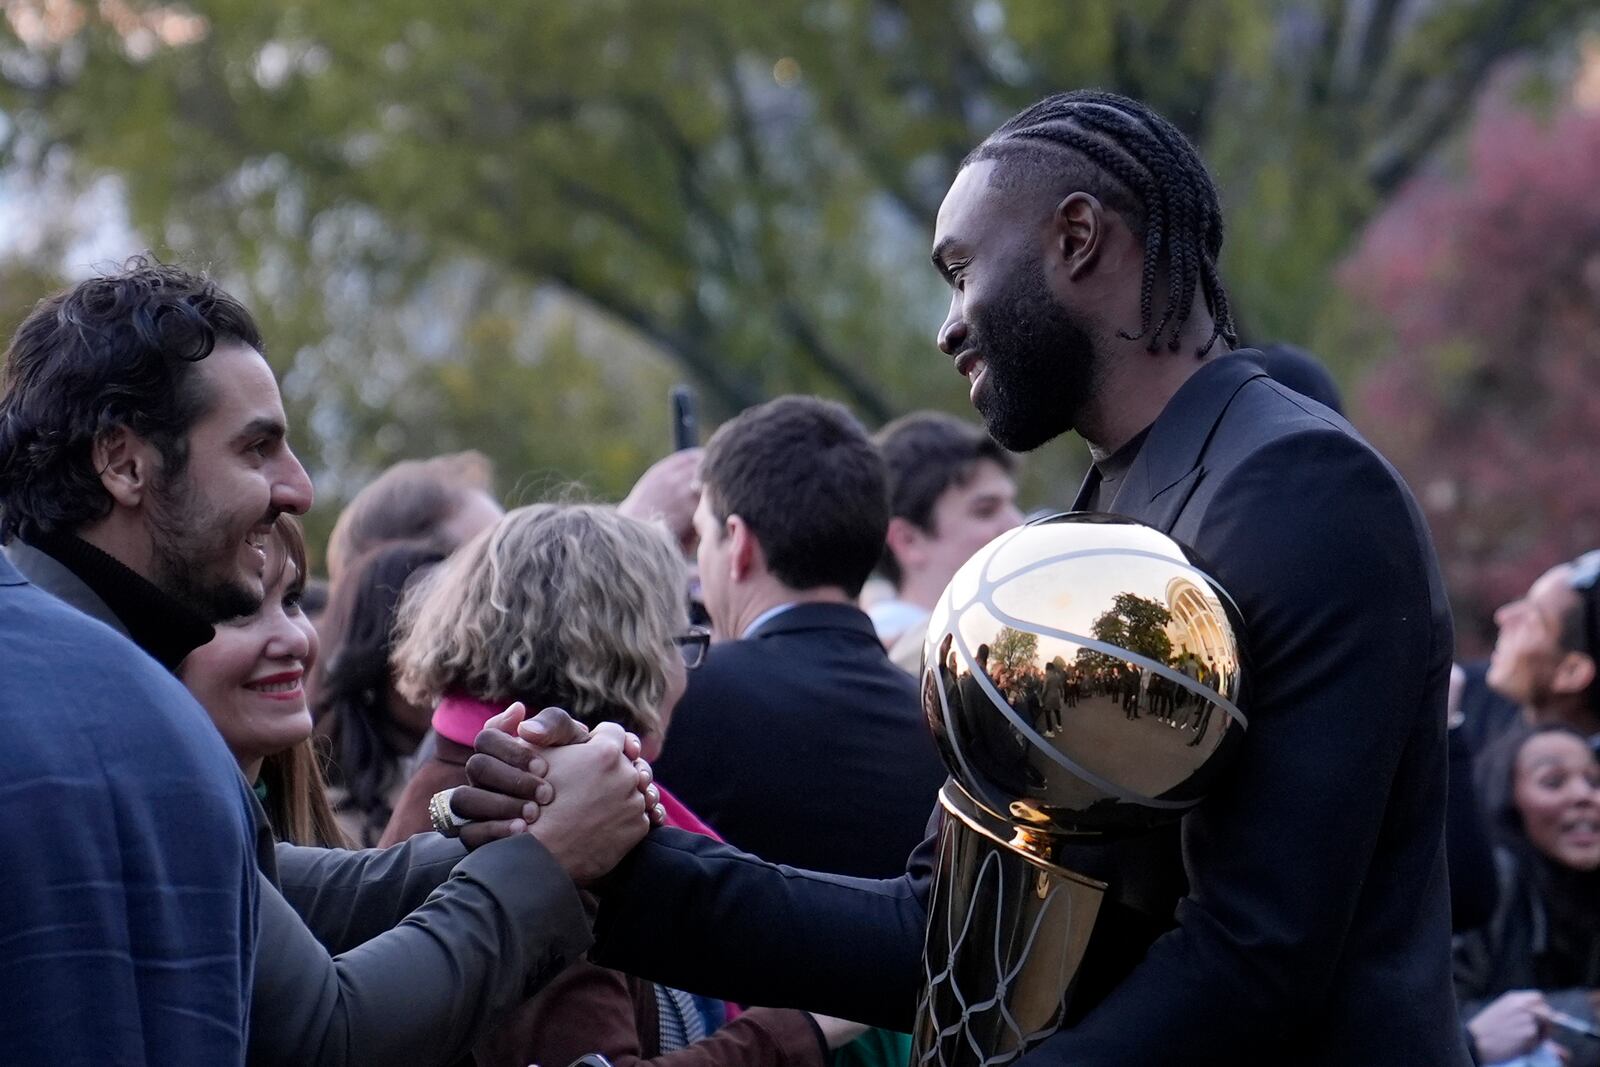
column 1082, row 674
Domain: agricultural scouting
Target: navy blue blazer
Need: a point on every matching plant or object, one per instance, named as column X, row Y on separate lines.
column 1305, row 917
column 805, row 745
column 128, row 908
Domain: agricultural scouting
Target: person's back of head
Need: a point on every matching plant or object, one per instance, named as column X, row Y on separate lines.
column 573, row 605
column 353, row 696
column 1301, row 371
column 445, row 499
column 951, row 491
column 799, row 479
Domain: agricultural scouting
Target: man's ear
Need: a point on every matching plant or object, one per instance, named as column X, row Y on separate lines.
column 1080, row 223
column 127, row 465
column 905, row 540
column 1574, row 674
column 744, row 551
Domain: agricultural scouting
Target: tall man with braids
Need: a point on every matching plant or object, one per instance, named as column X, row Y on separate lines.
column 1302, row 918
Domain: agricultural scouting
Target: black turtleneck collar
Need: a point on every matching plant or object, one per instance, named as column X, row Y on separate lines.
column 160, row 625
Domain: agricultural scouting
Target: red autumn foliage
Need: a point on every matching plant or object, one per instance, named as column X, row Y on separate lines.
column 1487, row 394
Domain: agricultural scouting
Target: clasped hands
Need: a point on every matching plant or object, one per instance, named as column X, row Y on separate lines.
column 585, row 794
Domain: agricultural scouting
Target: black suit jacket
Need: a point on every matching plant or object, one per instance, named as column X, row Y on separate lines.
column 804, row 745
column 1315, row 928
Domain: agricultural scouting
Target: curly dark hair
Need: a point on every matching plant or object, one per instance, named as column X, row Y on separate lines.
column 115, row 351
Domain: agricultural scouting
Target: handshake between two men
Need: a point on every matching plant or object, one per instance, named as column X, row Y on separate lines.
column 586, row 795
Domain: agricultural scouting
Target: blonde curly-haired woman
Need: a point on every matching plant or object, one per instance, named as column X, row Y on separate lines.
column 580, row 607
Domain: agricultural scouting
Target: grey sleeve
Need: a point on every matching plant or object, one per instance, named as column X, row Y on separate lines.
column 349, row 896
column 506, row 921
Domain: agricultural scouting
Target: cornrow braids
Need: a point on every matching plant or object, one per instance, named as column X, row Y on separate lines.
column 1143, row 167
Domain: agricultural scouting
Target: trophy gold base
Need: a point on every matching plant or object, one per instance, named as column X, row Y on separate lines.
column 1007, row 930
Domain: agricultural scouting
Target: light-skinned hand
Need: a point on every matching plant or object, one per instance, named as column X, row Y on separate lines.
column 1511, row 1025
column 508, row 774
column 668, row 493
column 598, row 812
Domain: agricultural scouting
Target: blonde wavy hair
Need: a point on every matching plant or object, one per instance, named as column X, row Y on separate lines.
column 564, row 603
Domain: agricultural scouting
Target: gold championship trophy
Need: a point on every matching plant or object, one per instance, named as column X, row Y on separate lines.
column 1081, row 677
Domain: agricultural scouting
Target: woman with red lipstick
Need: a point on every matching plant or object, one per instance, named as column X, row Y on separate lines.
column 251, row 678
column 1537, row 964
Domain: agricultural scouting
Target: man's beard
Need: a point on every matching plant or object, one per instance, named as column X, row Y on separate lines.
column 1041, row 365
column 195, row 552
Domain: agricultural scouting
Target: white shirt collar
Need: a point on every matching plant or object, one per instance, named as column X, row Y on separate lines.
column 765, row 617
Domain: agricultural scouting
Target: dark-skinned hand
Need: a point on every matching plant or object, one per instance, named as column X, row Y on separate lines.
column 508, row 773
column 501, row 813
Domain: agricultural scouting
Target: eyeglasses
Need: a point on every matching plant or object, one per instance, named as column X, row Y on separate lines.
column 692, row 646
column 1585, row 578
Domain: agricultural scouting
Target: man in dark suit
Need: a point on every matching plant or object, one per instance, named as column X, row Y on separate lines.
column 791, row 521
column 1305, row 917
column 143, row 456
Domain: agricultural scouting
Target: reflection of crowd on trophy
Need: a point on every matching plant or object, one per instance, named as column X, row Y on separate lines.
column 1041, row 689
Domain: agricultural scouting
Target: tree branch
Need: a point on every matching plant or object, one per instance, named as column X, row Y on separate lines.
column 872, row 150
column 587, row 198
column 867, row 398
column 772, row 277
column 1439, row 109
column 700, row 361
column 1377, row 42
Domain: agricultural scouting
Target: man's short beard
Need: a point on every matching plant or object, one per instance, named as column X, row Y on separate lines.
column 1042, row 365
column 183, row 537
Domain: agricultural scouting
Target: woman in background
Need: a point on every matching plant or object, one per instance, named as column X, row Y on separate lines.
column 1538, row 959
column 444, row 500
column 371, row 731
column 579, row 607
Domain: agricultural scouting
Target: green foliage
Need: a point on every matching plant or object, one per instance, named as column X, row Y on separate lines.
column 1135, row 623
column 1013, row 651
column 1486, row 389
column 510, row 225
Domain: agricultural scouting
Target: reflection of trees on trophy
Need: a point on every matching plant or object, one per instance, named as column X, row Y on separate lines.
column 1013, row 650
column 1138, row 624
column 1143, row 626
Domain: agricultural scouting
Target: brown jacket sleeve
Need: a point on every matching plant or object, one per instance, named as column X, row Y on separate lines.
column 410, row 814
column 590, row 1009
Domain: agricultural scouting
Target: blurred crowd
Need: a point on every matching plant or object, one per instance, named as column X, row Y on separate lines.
column 738, row 639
